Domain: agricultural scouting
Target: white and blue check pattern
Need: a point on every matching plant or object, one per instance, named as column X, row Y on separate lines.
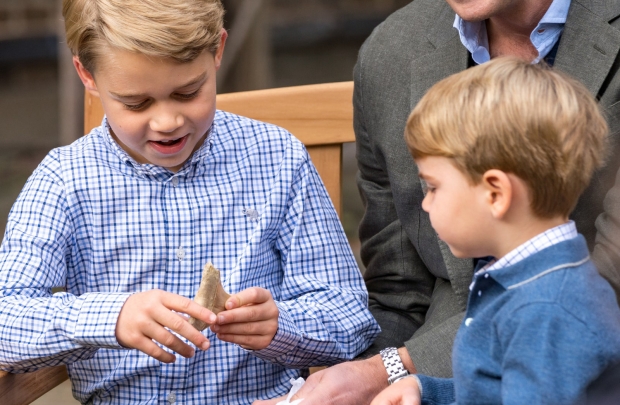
column 249, row 200
column 539, row 242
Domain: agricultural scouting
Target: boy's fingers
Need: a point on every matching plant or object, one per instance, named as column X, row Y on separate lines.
column 187, row 306
column 148, row 347
column 168, row 339
column 249, row 313
column 244, row 314
column 180, row 325
column 253, row 295
column 193, row 335
column 246, row 328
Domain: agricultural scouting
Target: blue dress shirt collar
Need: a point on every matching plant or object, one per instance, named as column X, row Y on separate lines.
column 544, row 36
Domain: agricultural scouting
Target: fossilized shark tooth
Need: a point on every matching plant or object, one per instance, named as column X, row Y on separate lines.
column 210, row 295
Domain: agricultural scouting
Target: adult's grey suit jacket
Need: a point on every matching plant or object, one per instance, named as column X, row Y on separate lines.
column 418, row 289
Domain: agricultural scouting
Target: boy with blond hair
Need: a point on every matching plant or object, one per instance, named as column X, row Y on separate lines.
column 505, row 149
column 126, row 217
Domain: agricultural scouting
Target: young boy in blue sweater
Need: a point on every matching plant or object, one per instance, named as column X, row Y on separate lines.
column 505, row 149
column 126, row 217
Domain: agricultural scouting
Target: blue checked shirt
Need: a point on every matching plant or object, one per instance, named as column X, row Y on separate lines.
column 93, row 220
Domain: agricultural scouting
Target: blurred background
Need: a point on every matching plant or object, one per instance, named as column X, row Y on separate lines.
column 272, row 43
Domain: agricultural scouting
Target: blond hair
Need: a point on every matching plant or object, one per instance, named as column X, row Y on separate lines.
column 524, row 119
column 176, row 29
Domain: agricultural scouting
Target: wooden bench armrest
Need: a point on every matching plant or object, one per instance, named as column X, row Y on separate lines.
column 18, row 389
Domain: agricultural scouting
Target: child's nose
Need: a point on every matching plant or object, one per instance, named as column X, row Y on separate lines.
column 166, row 122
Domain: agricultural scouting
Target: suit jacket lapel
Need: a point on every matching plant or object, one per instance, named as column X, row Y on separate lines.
column 587, row 51
column 448, row 57
column 589, row 45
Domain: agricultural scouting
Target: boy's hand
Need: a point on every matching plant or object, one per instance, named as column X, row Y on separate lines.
column 145, row 317
column 403, row 392
column 250, row 319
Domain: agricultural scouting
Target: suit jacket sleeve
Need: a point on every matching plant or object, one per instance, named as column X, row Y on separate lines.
column 412, row 306
column 590, row 27
column 606, row 253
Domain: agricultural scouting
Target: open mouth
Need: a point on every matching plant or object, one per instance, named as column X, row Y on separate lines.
column 169, row 145
column 169, row 142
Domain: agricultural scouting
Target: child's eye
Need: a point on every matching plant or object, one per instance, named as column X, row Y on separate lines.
column 188, row 96
column 136, row 107
column 426, row 188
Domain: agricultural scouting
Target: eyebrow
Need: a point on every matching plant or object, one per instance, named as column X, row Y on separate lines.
column 192, row 82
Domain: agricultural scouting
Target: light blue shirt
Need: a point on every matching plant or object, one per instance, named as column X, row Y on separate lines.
column 248, row 200
column 544, row 36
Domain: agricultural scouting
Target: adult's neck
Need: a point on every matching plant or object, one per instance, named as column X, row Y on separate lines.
column 509, row 30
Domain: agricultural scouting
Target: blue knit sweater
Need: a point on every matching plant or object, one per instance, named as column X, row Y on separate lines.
column 536, row 332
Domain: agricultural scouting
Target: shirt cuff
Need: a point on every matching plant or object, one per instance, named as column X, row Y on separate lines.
column 97, row 317
column 287, row 338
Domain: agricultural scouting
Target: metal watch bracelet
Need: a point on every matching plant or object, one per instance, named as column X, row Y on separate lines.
column 393, row 364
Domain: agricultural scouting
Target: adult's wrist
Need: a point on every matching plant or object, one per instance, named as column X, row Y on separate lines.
column 407, row 361
column 374, row 366
column 393, row 364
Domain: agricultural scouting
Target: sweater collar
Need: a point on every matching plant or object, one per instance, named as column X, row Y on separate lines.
column 568, row 253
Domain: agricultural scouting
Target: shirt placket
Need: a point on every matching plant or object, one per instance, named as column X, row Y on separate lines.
column 483, row 288
column 179, row 263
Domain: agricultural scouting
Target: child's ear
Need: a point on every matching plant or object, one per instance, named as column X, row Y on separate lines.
column 498, row 191
column 219, row 54
column 87, row 78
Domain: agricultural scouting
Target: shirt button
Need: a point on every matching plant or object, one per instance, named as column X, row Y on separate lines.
column 486, row 275
column 468, row 321
column 172, row 397
column 180, row 253
column 175, row 181
column 479, row 293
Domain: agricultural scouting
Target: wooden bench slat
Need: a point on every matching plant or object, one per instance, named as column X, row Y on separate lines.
column 22, row 389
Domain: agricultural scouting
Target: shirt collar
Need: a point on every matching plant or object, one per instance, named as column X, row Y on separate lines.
column 544, row 36
column 539, row 242
column 501, row 269
column 154, row 170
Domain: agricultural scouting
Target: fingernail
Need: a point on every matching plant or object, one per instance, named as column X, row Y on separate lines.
column 205, row 345
column 193, row 352
column 212, row 318
column 229, row 305
column 220, row 319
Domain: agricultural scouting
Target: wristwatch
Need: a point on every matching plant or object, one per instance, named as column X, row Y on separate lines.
column 393, row 364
